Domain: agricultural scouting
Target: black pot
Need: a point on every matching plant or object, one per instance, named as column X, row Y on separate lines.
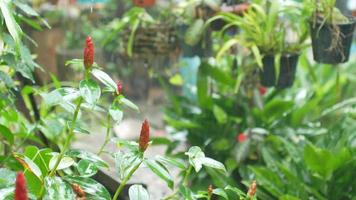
column 322, row 37
column 288, row 66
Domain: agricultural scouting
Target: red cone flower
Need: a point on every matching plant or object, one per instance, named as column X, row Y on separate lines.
column 262, row 90
column 241, row 137
column 252, row 190
column 88, row 53
column 144, row 136
column 20, row 190
column 119, row 88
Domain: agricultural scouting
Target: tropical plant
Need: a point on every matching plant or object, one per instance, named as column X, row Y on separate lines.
column 267, row 28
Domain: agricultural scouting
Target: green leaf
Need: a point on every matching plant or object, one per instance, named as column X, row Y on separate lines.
column 29, row 165
column 219, row 114
column 90, row 91
column 209, row 162
column 203, row 94
column 93, row 189
column 196, row 156
column 176, row 80
column 137, row 192
column 85, row 155
column 40, row 157
column 5, row 78
column 194, row 33
column 11, row 24
column 60, row 95
column 7, row 178
column 220, row 192
column 87, row 168
column 6, row 133
column 26, row 8
column 105, row 79
column 257, row 54
column 237, row 191
column 129, row 104
column 116, row 113
column 7, row 193
column 125, row 162
column 77, row 63
column 77, row 128
column 63, row 164
column 171, row 161
column 160, row 171
column 56, row 189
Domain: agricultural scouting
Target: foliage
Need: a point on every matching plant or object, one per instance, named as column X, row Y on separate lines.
column 267, row 28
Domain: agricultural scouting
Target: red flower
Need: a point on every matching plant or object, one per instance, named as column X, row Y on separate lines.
column 144, row 3
column 252, row 190
column 262, row 90
column 119, row 88
column 21, row 189
column 144, row 136
column 241, row 137
column 88, row 53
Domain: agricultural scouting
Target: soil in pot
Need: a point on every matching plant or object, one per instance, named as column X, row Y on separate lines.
column 331, row 43
column 288, row 66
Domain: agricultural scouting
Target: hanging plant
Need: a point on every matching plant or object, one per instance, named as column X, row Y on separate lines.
column 275, row 36
column 331, row 33
column 144, row 3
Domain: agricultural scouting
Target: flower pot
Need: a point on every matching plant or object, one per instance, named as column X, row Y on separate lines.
column 324, row 38
column 288, row 66
column 144, row 3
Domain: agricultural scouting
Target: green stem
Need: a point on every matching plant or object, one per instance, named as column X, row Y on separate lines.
column 185, row 183
column 127, row 178
column 107, row 137
column 69, row 138
column 186, row 177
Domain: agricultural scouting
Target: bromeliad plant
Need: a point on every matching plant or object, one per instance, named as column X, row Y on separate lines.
column 275, row 36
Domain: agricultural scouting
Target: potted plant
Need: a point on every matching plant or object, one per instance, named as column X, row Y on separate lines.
column 275, row 36
column 331, row 32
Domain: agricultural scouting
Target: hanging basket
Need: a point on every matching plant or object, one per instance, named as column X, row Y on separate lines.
column 288, row 66
column 331, row 44
column 144, row 3
column 158, row 39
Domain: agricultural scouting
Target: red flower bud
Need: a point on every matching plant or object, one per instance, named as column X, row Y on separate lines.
column 262, row 90
column 241, row 137
column 88, row 53
column 252, row 190
column 144, row 136
column 119, row 88
column 210, row 190
column 20, row 190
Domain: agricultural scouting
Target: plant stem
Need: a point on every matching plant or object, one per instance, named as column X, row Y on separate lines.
column 69, row 138
column 107, row 137
column 127, row 178
column 186, row 177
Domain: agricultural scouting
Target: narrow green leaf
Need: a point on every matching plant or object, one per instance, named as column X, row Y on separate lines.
column 129, row 104
column 105, row 79
column 7, row 134
column 11, row 24
column 160, row 171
